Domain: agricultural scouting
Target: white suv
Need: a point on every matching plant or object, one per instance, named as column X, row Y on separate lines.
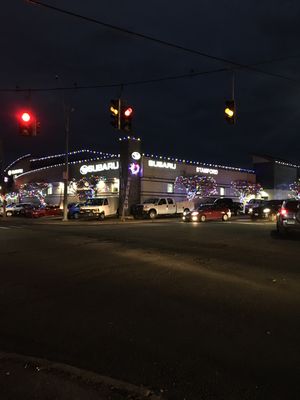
column 15, row 209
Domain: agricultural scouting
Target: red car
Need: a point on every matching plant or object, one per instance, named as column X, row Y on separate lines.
column 52, row 210
column 33, row 211
column 209, row 212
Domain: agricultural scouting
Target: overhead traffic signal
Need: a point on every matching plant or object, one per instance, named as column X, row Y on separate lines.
column 121, row 115
column 115, row 113
column 126, row 118
column 229, row 111
column 27, row 124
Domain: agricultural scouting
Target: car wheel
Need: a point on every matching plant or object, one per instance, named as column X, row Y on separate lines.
column 203, row 218
column 9, row 213
column 76, row 215
column 152, row 214
column 225, row 217
column 101, row 216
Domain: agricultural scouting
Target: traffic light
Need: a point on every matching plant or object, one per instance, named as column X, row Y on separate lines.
column 27, row 124
column 229, row 111
column 114, row 113
column 126, row 118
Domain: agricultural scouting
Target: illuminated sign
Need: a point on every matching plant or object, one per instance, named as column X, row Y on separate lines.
column 161, row 164
column 15, row 171
column 136, row 155
column 134, row 168
column 85, row 169
column 209, row 171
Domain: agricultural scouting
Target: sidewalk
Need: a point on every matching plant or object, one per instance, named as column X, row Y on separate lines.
column 83, row 221
column 28, row 378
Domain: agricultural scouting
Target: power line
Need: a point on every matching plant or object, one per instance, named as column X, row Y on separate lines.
column 137, row 82
column 159, row 41
column 112, row 85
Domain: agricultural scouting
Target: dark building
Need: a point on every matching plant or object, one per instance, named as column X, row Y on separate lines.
column 275, row 175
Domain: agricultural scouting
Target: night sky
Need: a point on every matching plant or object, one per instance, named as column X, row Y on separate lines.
column 182, row 118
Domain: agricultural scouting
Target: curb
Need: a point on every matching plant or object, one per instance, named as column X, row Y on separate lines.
column 83, row 376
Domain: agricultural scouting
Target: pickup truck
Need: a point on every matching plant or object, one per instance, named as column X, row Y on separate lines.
column 100, row 207
column 158, row 206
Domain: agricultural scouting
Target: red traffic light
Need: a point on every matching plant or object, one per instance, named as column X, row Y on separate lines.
column 28, row 124
column 26, row 117
column 128, row 112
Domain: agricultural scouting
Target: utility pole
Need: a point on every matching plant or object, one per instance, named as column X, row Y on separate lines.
column 67, row 111
column 119, row 114
column 2, row 183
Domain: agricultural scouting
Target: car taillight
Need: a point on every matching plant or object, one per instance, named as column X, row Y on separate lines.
column 283, row 212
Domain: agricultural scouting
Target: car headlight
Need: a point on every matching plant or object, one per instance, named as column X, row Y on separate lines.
column 250, row 210
column 184, row 213
column 266, row 210
column 195, row 213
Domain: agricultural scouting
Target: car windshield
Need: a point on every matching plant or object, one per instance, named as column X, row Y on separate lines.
column 94, row 202
column 151, row 201
column 274, row 203
column 204, row 207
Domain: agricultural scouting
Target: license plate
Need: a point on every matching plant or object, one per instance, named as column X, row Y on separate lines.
column 256, row 214
column 290, row 222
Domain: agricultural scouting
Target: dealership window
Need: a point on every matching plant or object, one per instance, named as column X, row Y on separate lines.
column 170, row 188
column 50, row 189
column 222, row 191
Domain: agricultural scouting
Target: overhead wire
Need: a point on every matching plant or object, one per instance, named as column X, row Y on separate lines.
column 144, row 81
column 136, row 82
column 117, row 84
column 159, row 41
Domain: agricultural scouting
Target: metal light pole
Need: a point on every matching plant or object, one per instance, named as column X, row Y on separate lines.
column 67, row 111
column 2, row 183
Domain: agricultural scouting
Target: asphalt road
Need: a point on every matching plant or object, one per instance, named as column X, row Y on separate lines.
column 193, row 311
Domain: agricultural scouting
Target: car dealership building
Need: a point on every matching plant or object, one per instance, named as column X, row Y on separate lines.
column 135, row 176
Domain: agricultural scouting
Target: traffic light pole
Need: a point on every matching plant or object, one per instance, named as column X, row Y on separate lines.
column 2, row 183
column 67, row 111
column 233, row 84
column 119, row 114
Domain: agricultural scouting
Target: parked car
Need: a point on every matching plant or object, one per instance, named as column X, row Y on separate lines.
column 208, row 212
column 161, row 206
column 268, row 209
column 100, row 207
column 52, row 210
column 235, row 207
column 32, row 211
column 16, row 209
column 288, row 218
column 74, row 210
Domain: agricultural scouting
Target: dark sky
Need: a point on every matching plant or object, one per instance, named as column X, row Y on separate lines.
column 181, row 118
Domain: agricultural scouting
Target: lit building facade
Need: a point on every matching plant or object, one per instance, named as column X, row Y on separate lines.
column 135, row 176
column 131, row 174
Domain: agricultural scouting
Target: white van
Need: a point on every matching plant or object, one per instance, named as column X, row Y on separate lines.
column 100, row 207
